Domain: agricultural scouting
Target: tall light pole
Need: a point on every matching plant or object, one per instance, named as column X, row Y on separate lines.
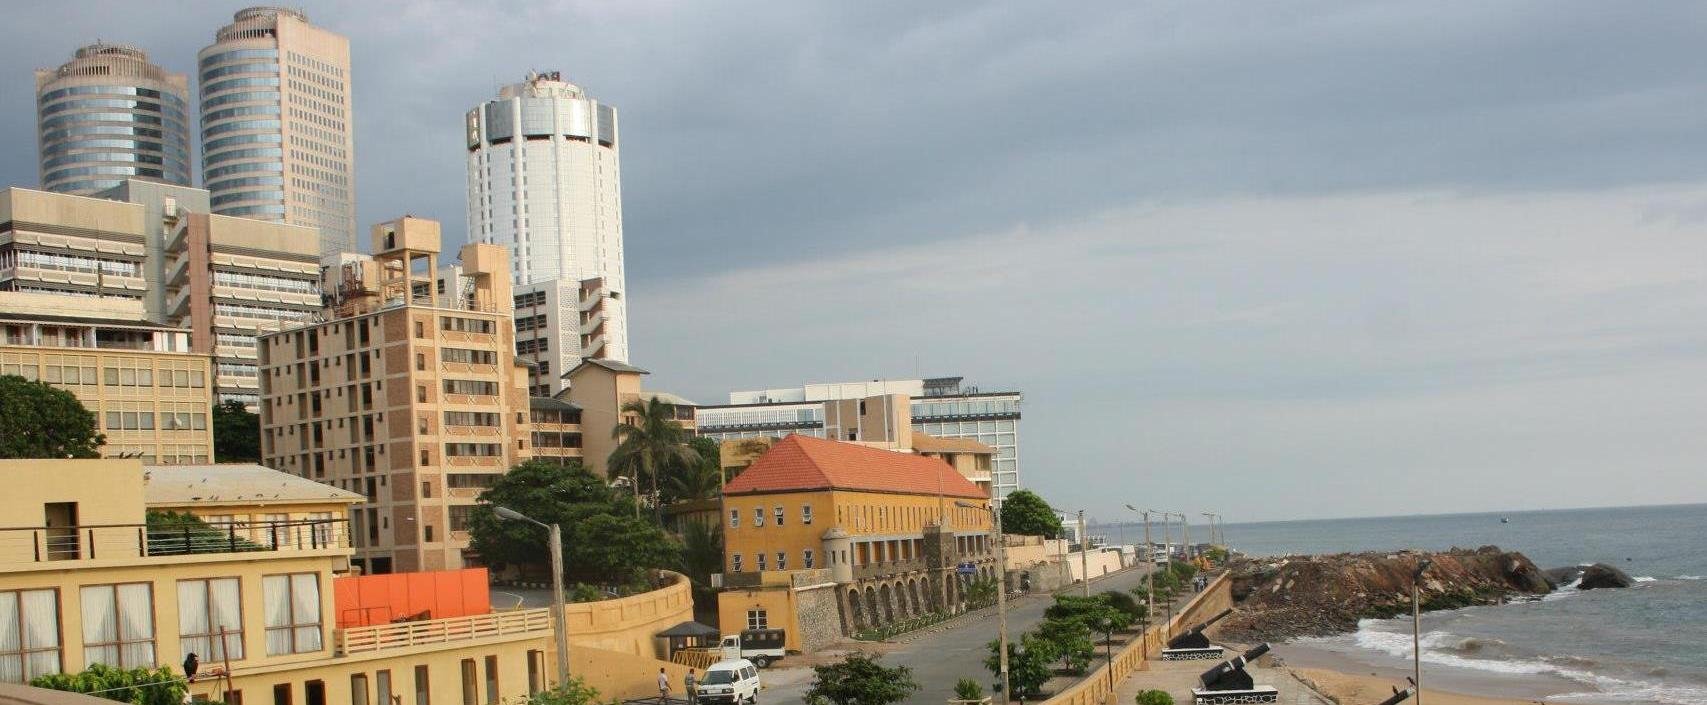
column 1149, row 568
column 1211, row 518
column 1001, row 589
column 1416, row 627
column 1084, row 553
column 559, row 610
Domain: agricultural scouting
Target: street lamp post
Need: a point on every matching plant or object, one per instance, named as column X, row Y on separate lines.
column 1001, row 591
column 1108, row 654
column 1084, row 553
column 1149, row 559
column 559, row 610
column 1416, row 627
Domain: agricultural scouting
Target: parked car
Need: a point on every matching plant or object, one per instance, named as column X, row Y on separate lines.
column 729, row 682
column 761, row 646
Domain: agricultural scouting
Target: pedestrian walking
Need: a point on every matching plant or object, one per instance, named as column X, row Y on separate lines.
column 663, row 687
column 691, row 687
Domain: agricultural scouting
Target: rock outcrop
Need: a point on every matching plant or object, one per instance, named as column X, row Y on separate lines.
column 1560, row 577
column 1601, row 576
column 1281, row 598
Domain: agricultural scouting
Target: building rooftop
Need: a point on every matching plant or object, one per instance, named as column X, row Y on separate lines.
column 182, row 485
column 668, row 398
column 612, row 365
column 926, row 443
column 552, row 404
column 802, row 463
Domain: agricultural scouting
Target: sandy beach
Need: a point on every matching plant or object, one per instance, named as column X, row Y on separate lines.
column 1352, row 682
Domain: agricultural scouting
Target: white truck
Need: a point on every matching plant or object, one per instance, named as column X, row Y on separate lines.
column 761, row 646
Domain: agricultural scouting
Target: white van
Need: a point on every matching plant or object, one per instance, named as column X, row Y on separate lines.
column 733, row 682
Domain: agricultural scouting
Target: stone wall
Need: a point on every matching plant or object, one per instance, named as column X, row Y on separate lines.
column 819, row 617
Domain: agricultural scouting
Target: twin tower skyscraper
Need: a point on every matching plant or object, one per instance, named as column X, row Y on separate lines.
column 276, row 142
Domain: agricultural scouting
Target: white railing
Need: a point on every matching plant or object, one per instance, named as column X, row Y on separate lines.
column 356, row 640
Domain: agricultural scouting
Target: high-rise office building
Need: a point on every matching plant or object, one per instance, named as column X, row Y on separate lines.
column 544, row 180
column 276, row 132
column 109, row 115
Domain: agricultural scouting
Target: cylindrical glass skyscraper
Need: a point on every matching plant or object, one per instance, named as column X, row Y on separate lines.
column 109, row 115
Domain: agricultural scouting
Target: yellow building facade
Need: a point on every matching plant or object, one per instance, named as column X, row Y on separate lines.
column 897, row 535
column 88, row 580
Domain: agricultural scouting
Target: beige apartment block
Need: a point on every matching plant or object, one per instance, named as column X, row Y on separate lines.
column 231, row 279
column 407, row 396
column 150, row 395
column 600, row 388
column 277, row 135
column 224, row 279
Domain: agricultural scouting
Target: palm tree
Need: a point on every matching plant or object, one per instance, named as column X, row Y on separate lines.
column 700, row 479
column 649, row 441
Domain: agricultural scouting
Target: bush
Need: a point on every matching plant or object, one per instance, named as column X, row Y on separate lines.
column 1071, row 641
column 574, row 692
column 968, row 689
column 1182, row 570
column 860, row 680
column 1027, row 670
column 1153, row 697
column 140, row 686
column 1126, row 605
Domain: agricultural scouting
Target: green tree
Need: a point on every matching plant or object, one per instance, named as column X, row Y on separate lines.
column 1072, row 641
column 573, row 692
column 603, row 541
column 1028, row 663
column 141, row 686
column 236, row 434
column 1023, row 512
column 981, row 591
column 1089, row 611
column 860, row 680
column 1153, row 697
column 1133, row 610
column 38, row 420
column 702, row 555
column 968, row 689
column 649, row 442
column 1182, row 571
column 701, row 478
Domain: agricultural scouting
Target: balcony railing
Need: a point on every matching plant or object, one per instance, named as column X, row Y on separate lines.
column 120, row 541
column 356, row 640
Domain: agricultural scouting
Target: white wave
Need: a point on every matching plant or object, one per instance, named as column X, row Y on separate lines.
column 1689, row 577
column 1564, row 591
column 1644, row 578
column 1434, row 644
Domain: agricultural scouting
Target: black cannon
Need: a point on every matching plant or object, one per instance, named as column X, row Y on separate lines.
column 1192, row 645
column 1399, row 696
column 1229, row 684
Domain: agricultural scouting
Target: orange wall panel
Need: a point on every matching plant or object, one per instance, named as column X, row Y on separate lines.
column 362, row 600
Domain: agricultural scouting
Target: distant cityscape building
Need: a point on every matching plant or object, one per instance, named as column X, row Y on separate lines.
column 277, row 137
column 409, row 397
column 222, row 279
column 544, row 179
column 150, row 395
column 941, row 407
column 109, row 115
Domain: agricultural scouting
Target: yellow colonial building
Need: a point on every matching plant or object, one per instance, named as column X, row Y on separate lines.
column 869, row 535
column 252, row 591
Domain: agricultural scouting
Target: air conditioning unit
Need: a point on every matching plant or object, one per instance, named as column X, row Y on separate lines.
column 717, row 580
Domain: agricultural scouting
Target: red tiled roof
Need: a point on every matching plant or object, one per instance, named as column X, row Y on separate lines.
column 799, row 463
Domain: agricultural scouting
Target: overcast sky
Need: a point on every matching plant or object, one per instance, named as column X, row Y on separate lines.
column 1276, row 260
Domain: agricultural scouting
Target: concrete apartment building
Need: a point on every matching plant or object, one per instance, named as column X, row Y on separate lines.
column 544, row 180
column 151, row 396
column 225, row 279
column 108, row 115
column 412, row 398
column 277, row 134
column 881, row 412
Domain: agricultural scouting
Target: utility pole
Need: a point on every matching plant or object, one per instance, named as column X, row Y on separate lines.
column 1149, row 559
column 1185, row 528
column 1001, row 592
column 559, row 607
column 1084, row 553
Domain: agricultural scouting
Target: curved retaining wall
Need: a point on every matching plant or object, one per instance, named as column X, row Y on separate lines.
column 626, row 624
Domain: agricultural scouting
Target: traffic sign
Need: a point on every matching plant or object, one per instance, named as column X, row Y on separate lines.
column 966, row 569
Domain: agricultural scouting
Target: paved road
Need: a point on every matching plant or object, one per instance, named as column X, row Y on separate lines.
column 942, row 655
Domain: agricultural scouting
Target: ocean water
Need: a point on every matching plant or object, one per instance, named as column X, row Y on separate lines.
column 1646, row 644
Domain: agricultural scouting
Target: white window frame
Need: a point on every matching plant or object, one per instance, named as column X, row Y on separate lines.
column 806, row 514
column 198, row 598
column 34, row 655
column 734, row 518
column 780, row 513
column 758, row 619
column 289, row 619
column 806, row 559
column 758, row 516
column 133, row 632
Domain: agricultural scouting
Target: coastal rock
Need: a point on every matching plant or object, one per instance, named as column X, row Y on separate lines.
column 1282, row 598
column 1561, row 577
column 1601, row 576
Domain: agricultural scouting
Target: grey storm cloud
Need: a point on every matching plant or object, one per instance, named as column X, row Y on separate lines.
column 1324, row 249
